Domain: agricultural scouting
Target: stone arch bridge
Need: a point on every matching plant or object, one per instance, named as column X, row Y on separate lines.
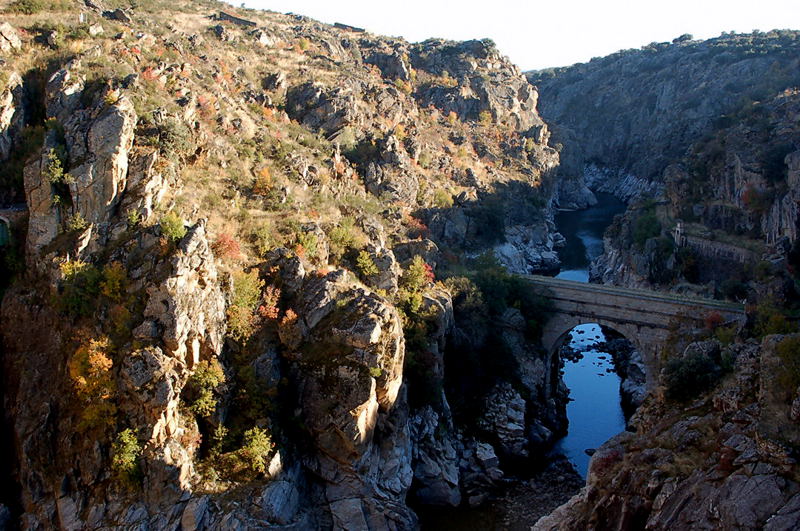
column 646, row 318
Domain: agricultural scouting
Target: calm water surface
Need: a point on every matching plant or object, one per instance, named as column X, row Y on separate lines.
column 594, row 412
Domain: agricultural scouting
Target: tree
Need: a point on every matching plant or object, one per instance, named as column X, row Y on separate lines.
column 366, row 265
column 418, row 275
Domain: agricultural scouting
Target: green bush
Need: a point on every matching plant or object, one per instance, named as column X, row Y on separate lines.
column 788, row 351
column 125, row 452
column 769, row 319
column 174, row 138
column 172, row 226
column 115, row 281
column 500, row 290
column 687, row 377
column 79, row 288
column 27, row 7
column 343, row 237
column 246, row 294
column 417, row 275
column 263, row 239
column 466, row 295
column 76, row 223
column 309, row 242
column 244, row 463
column 646, row 226
column 202, row 386
column 366, row 265
column 442, row 199
column 255, row 449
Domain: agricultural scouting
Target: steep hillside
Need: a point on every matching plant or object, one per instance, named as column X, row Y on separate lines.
column 220, row 307
column 636, row 111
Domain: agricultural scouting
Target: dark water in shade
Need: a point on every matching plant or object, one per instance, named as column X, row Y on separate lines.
column 584, row 230
column 594, row 412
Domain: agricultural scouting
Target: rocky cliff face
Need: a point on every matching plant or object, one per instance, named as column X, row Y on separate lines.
column 226, row 316
column 734, row 194
column 636, row 111
column 713, row 150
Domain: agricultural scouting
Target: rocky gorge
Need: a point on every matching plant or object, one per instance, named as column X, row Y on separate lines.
column 265, row 276
column 235, row 268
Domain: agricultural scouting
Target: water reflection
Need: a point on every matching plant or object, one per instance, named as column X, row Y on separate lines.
column 594, row 411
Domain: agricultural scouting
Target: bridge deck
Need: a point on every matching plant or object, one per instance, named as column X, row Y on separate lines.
column 640, row 294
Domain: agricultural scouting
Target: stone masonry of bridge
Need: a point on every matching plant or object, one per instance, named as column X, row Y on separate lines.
column 646, row 318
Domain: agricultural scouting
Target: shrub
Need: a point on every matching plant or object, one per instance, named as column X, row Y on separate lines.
column 501, row 290
column 366, row 265
column 115, row 280
column 174, row 138
column 246, row 288
column 489, row 217
column 485, row 117
column 712, row 320
column 466, row 295
column 172, row 226
column 788, row 351
column 76, row 223
column 90, row 371
column 27, row 7
column 79, row 288
column 226, row 247
column 263, row 239
column 646, row 226
column 342, row 237
column 687, row 377
column 410, row 302
column 756, row 200
column 725, row 334
column 307, row 242
column 442, row 199
column 125, row 452
column 133, row 217
column 269, row 307
column 54, row 171
column 733, row 289
column 418, row 275
column 688, row 265
column 255, row 449
column 246, row 462
column 246, row 294
column 263, row 183
column 769, row 319
column 202, row 384
column 403, row 86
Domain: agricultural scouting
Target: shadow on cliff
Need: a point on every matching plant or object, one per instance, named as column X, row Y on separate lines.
column 476, row 221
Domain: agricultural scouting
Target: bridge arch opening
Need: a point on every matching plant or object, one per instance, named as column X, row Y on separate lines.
column 604, row 376
column 5, row 232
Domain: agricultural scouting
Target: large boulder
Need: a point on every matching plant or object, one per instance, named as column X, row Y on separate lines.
column 347, row 349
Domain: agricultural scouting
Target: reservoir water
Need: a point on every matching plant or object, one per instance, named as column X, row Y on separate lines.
column 594, row 411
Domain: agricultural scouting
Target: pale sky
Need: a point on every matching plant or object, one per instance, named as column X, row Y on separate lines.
column 538, row 34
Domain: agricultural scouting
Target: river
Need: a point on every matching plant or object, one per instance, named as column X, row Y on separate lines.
column 594, row 411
